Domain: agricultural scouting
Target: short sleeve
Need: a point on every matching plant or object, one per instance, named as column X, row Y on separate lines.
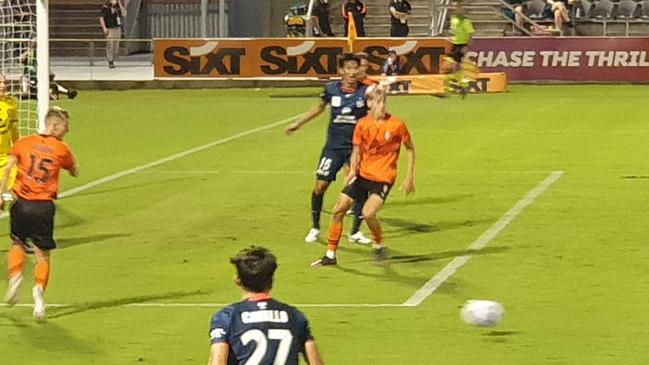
column 67, row 160
column 326, row 95
column 105, row 12
column 304, row 328
column 405, row 134
column 220, row 326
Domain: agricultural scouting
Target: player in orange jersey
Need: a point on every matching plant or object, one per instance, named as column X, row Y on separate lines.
column 39, row 158
column 377, row 141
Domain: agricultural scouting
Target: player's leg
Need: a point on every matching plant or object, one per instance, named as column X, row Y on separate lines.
column 42, row 232
column 331, row 161
column 356, row 235
column 378, row 193
column 370, row 211
column 345, row 201
column 42, row 278
column 15, row 266
column 16, row 257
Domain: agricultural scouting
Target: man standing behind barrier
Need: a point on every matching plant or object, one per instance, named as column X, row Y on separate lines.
column 358, row 12
column 399, row 13
column 111, row 24
column 321, row 11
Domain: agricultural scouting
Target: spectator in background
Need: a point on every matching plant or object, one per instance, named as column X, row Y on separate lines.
column 399, row 13
column 517, row 14
column 358, row 11
column 111, row 24
column 556, row 10
column 391, row 65
column 321, row 11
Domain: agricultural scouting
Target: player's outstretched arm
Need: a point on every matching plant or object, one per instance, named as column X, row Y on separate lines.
column 409, row 183
column 309, row 116
column 312, row 354
column 219, row 354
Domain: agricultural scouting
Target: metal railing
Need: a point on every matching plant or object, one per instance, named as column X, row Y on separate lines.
column 89, row 50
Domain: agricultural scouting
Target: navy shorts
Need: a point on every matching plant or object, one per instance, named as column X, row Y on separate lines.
column 331, row 161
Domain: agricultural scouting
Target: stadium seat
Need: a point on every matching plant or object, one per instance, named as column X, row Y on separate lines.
column 583, row 9
column 626, row 9
column 534, row 9
column 602, row 10
column 644, row 10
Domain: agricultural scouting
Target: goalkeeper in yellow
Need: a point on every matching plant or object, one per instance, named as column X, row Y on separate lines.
column 8, row 126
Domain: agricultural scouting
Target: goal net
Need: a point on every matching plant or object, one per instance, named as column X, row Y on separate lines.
column 18, row 59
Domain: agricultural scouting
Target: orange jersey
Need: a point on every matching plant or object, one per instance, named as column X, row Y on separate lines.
column 379, row 144
column 40, row 159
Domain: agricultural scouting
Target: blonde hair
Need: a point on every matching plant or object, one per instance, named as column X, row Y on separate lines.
column 375, row 92
column 57, row 114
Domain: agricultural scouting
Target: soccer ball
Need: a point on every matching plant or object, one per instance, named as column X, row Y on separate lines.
column 482, row 313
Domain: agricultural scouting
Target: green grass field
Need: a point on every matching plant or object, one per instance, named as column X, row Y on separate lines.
column 571, row 269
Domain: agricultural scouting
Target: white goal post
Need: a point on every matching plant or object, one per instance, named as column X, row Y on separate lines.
column 24, row 58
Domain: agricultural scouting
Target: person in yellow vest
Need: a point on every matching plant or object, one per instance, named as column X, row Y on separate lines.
column 462, row 72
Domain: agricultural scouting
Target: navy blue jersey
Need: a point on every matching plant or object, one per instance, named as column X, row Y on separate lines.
column 346, row 109
column 261, row 331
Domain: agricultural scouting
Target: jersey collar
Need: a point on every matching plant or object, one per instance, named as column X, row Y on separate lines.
column 258, row 297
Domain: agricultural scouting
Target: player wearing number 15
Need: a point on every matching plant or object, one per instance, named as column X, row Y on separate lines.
column 260, row 330
column 39, row 159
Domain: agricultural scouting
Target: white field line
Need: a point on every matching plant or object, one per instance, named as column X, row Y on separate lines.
column 436, row 281
column 216, row 305
column 173, row 157
column 304, row 172
column 164, row 160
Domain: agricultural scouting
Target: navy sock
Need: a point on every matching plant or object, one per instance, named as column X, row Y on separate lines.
column 358, row 217
column 316, row 209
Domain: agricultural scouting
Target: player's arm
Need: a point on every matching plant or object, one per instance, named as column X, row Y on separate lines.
column 409, row 183
column 354, row 162
column 311, row 354
column 309, row 116
column 4, row 187
column 219, row 354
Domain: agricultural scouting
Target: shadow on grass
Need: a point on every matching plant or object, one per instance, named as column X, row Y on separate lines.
column 85, row 307
column 49, row 337
column 150, row 183
column 402, row 227
column 66, row 242
column 430, row 200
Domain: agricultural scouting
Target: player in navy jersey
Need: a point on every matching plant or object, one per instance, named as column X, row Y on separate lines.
column 347, row 100
column 260, row 330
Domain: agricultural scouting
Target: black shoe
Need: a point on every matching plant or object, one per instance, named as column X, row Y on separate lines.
column 325, row 261
column 111, row 64
column 72, row 94
column 380, row 254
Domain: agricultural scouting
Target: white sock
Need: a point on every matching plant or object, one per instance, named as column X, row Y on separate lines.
column 331, row 254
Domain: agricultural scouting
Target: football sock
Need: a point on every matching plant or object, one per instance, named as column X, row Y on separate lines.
column 42, row 274
column 316, row 208
column 335, row 231
column 358, row 217
column 16, row 261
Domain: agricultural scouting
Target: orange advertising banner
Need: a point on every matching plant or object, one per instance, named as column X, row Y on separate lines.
column 288, row 57
column 434, row 84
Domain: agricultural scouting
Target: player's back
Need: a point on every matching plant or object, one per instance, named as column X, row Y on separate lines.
column 261, row 331
column 40, row 160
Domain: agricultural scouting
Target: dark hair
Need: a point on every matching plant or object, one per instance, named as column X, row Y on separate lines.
column 392, row 52
column 346, row 57
column 255, row 268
